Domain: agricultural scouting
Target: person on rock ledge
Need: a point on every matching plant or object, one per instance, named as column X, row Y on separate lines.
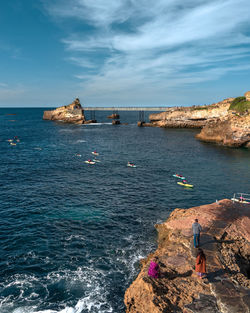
column 154, row 268
column 200, row 264
column 196, row 227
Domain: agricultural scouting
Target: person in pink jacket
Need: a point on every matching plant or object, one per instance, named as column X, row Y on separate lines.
column 154, row 268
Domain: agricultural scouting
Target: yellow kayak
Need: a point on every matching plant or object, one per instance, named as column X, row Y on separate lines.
column 185, row 185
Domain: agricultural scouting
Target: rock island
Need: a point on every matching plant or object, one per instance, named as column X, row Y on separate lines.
column 72, row 113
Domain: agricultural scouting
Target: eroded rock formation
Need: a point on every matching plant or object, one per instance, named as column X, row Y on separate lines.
column 191, row 117
column 219, row 124
column 72, row 113
column 225, row 241
column 114, row 116
column 234, row 131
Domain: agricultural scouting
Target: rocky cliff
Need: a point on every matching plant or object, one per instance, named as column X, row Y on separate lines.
column 219, row 122
column 234, row 131
column 72, row 113
column 226, row 243
column 191, row 117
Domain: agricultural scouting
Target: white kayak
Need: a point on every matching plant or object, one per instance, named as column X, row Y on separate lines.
column 178, row 176
column 95, row 153
column 90, row 162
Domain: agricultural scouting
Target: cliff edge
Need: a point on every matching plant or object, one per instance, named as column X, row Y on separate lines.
column 226, row 242
column 226, row 122
column 72, row 113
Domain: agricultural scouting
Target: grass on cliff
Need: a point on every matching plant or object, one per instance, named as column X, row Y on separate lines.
column 240, row 105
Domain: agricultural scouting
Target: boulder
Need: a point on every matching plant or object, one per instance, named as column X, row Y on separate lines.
column 114, row 116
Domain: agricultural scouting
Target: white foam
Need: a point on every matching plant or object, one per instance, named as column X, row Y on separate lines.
column 97, row 124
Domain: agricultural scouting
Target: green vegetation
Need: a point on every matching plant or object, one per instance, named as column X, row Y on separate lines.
column 196, row 108
column 240, row 105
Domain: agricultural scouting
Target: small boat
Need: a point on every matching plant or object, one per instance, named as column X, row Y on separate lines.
column 97, row 161
column 78, row 155
column 179, row 176
column 95, row 153
column 90, row 162
column 239, row 200
column 185, row 185
column 131, row 164
column 12, row 144
column 10, row 140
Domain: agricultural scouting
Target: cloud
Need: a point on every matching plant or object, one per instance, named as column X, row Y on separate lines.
column 137, row 45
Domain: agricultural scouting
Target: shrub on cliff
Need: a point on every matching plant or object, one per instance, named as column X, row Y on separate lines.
column 240, row 105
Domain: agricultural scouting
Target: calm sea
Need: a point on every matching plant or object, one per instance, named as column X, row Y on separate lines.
column 72, row 234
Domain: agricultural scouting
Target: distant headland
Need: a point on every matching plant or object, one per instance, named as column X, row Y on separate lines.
column 226, row 122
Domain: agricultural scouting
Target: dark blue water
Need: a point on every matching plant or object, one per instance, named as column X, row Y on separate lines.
column 72, row 234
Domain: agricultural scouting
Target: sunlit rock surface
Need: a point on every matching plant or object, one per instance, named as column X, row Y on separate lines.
column 225, row 241
column 72, row 113
column 191, row 117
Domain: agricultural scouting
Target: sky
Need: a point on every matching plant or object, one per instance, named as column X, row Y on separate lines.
column 123, row 52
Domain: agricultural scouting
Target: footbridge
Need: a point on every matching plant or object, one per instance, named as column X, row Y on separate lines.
column 115, row 110
column 162, row 109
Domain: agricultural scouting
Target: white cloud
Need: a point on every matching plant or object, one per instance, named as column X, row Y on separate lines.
column 155, row 45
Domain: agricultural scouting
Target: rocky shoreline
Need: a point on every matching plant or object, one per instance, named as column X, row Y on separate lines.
column 219, row 123
column 226, row 243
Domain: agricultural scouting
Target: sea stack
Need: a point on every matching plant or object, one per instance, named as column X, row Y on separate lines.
column 72, row 113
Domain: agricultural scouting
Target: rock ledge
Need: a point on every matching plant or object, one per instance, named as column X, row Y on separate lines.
column 226, row 243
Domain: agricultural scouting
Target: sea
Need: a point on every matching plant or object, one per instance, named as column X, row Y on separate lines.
column 72, row 234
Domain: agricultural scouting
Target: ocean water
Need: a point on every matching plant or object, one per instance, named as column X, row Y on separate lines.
column 72, row 234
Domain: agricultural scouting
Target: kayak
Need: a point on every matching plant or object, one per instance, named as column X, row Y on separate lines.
column 95, row 153
column 185, row 185
column 97, row 161
column 178, row 176
column 90, row 162
column 131, row 165
column 12, row 144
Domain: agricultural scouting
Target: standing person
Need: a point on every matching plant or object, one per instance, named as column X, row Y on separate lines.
column 154, row 268
column 196, row 231
column 200, row 263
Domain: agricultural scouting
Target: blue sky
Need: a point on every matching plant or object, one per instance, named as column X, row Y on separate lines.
column 123, row 52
